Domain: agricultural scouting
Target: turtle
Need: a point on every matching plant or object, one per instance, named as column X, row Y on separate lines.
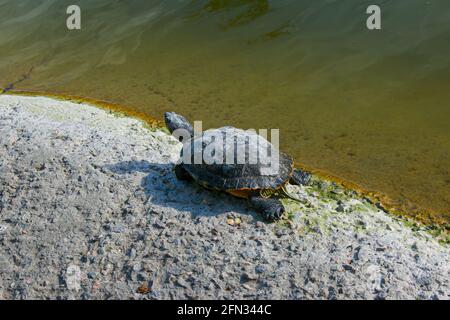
column 245, row 179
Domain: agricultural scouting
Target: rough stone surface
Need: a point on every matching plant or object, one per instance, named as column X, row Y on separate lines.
column 90, row 208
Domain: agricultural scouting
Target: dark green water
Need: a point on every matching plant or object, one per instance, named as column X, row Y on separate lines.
column 370, row 107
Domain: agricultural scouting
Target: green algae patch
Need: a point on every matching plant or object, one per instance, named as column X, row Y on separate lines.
column 326, row 182
column 325, row 205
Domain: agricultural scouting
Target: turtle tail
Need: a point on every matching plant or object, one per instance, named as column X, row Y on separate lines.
column 288, row 194
column 267, row 193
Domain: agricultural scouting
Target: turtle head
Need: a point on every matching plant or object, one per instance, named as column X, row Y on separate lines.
column 175, row 121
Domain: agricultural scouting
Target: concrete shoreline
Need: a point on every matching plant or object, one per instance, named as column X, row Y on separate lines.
column 83, row 188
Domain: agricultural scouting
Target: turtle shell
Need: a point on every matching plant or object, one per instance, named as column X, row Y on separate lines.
column 233, row 159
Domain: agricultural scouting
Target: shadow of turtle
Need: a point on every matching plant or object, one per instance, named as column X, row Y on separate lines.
column 163, row 189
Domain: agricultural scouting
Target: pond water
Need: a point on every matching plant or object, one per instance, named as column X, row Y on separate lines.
column 368, row 107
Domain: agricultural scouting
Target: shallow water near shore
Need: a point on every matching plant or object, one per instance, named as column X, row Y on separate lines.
column 369, row 107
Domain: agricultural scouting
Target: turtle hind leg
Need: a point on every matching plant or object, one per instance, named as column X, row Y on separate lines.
column 300, row 177
column 271, row 208
column 181, row 173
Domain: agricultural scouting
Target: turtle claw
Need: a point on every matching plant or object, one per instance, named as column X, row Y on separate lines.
column 273, row 216
column 272, row 209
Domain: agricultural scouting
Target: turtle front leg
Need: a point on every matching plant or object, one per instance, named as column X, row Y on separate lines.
column 271, row 208
column 300, row 177
column 181, row 173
